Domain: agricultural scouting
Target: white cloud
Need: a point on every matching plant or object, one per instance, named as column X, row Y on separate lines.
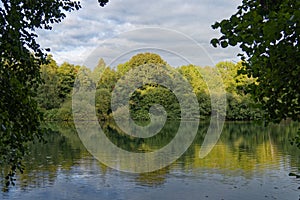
column 84, row 30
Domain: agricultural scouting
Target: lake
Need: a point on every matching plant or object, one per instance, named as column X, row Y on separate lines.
column 249, row 161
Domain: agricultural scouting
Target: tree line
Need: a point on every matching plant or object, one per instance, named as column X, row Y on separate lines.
column 55, row 94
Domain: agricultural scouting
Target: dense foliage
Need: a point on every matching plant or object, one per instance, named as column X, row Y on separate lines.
column 20, row 62
column 21, row 57
column 239, row 105
column 268, row 33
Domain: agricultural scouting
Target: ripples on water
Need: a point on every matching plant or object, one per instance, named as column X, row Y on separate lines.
column 249, row 162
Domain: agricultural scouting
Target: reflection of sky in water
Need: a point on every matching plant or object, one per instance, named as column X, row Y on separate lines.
column 79, row 184
column 188, row 178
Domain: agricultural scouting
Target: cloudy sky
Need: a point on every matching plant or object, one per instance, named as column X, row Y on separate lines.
column 178, row 30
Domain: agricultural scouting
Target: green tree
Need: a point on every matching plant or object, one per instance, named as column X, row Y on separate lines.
column 102, row 101
column 67, row 75
column 143, row 98
column 85, row 79
column 148, row 94
column 193, row 74
column 228, row 71
column 139, row 60
column 108, row 79
column 240, row 106
column 98, row 70
column 48, row 91
column 268, row 33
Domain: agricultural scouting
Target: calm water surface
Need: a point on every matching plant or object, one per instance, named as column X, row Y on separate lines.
column 248, row 162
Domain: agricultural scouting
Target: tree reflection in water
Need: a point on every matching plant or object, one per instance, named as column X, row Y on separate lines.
column 244, row 149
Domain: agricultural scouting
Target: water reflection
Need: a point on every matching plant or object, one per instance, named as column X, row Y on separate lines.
column 248, row 159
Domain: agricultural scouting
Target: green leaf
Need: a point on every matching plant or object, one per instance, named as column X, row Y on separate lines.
column 214, row 42
column 224, row 44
